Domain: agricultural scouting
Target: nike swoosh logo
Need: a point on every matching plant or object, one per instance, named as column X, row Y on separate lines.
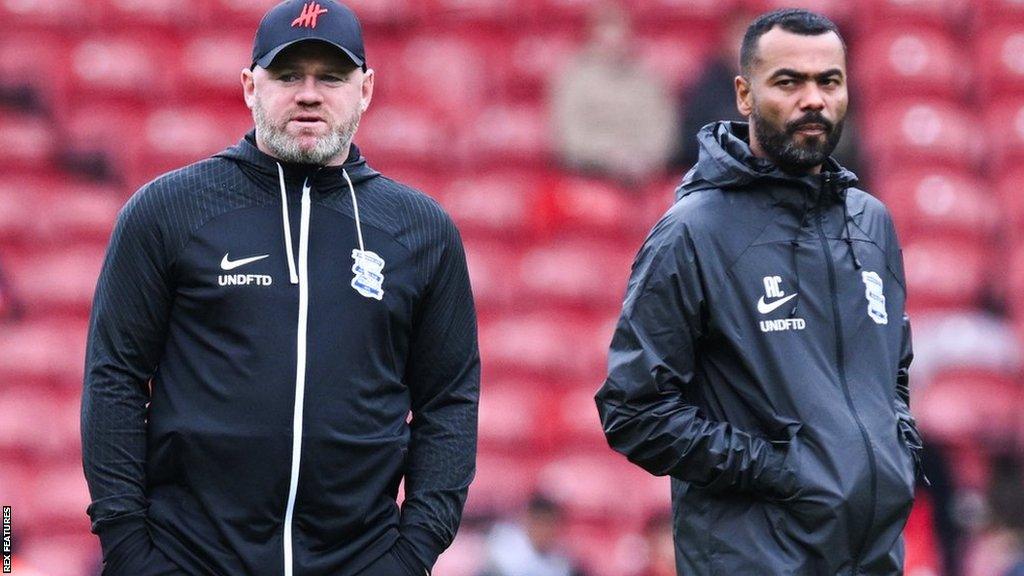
column 764, row 307
column 226, row 264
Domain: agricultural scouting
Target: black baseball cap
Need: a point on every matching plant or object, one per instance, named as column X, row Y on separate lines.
column 298, row 21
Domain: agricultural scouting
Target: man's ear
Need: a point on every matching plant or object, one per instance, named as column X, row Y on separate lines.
column 367, row 95
column 248, row 87
column 744, row 96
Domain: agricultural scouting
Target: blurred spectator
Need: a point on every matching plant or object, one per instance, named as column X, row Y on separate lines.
column 531, row 548
column 661, row 549
column 712, row 97
column 9, row 308
column 1006, row 503
column 609, row 115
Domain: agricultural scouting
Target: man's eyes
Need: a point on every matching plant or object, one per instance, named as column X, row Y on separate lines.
column 293, row 77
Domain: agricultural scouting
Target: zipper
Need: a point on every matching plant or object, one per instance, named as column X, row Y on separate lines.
column 841, row 366
column 300, row 374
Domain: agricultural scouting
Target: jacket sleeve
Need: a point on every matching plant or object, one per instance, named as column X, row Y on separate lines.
column 907, row 424
column 653, row 360
column 126, row 334
column 443, row 376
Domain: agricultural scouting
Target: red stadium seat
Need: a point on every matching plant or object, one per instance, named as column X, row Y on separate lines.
column 922, row 542
column 656, row 12
column 104, row 132
column 575, row 422
column 944, row 272
column 402, row 134
column 489, row 265
column 241, row 14
column 906, row 61
column 996, row 12
column 211, row 65
column 56, row 282
column 512, row 415
column 503, row 482
column 1004, row 120
column 1009, row 188
column 939, row 12
column 42, row 14
column 837, row 10
column 181, row 14
column 175, row 136
column 591, row 207
column 29, row 141
column 919, row 132
column 496, row 204
column 574, row 272
column 72, row 551
column 502, row 136
column 583, row 481
column 412, row 78
column 20, row 55
column 19, row 198
column 927, row 200
column 554, row 343
column 79, row 212
column 1012, row 277
column 477, row 11
column 1000, row 58
column 677, row 60
column 66, row 497
column 961, row 405
column 526, row 63
column 134, row 68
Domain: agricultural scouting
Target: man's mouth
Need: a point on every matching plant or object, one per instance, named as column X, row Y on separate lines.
column 307, row 119
column 812, row 129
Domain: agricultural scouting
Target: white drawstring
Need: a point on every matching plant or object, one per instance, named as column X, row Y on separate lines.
column 355, row 209
column 287, row 228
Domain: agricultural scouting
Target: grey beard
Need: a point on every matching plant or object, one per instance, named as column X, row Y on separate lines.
column 782, row 148
column 286, row 147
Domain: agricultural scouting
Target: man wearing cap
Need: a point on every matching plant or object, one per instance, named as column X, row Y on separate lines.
column 265, row 322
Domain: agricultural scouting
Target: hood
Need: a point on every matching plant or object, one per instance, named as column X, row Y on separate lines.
column 726, row 161
column 262, row 168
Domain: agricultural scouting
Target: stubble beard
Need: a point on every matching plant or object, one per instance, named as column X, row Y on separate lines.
column 782, row 147
column 287, row 147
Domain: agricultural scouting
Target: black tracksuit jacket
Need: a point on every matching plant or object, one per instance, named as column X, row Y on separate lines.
column 761, row 361
column 208, row 329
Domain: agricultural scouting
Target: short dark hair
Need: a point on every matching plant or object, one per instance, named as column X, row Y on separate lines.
column 795, row 20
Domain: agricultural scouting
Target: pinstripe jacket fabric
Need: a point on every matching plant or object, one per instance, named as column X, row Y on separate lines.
column 251, row 367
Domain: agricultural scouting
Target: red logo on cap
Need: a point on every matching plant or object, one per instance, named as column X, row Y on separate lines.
column 310, row 12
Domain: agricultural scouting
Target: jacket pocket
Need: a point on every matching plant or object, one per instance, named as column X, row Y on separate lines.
column 911, row 441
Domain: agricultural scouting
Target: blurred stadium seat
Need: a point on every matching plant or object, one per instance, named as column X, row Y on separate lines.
column 944, row 273
column 937, row 12
column 921, row 131
column 124, row 67
column 930, row 200
column 29, row 142
column 906, row 61
column 1004, row 123
column 1000, row 57
column 211, row 66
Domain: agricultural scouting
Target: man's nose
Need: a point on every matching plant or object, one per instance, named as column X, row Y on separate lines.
column 309, row 92
column 812, row 98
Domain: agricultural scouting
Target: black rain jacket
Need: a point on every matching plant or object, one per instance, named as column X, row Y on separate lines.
column 761, row 361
